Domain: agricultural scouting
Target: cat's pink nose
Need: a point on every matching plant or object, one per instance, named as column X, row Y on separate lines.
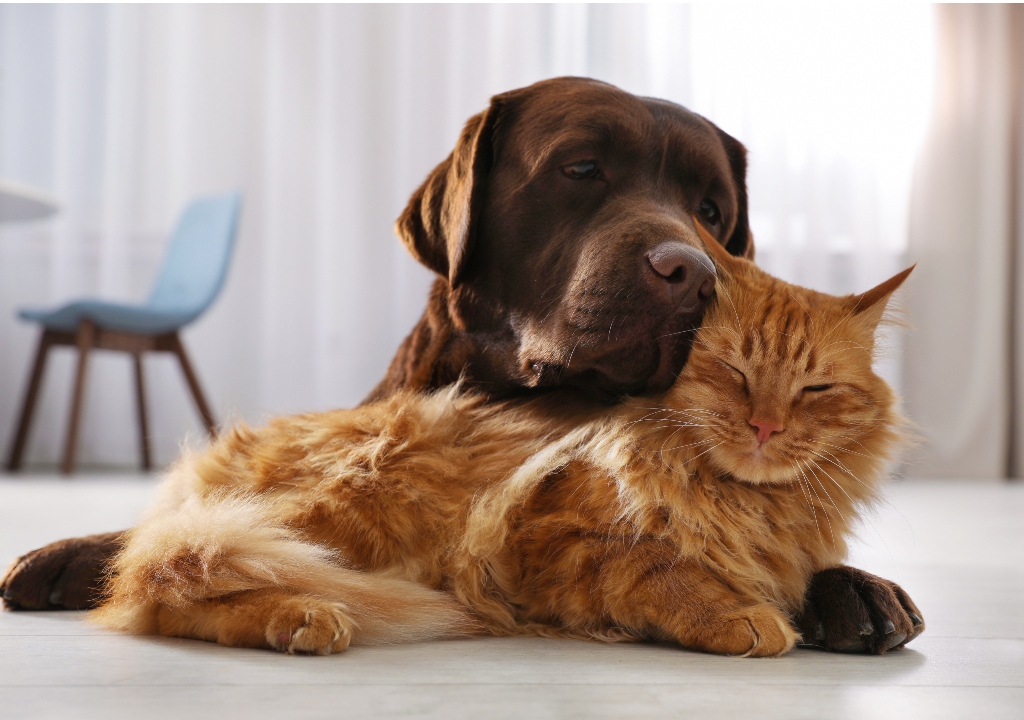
column 765, row 429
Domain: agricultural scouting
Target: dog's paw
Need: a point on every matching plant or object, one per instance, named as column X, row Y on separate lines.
column 65, row 575
column 759, row 631
column 305, row 624
column 849, row 610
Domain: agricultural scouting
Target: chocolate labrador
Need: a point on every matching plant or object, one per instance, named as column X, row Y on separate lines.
column 561, row 230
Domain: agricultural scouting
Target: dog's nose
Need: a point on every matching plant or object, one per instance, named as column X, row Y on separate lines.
column 682, row 271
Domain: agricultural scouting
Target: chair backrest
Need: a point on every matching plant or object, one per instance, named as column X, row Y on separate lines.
column 197, row 258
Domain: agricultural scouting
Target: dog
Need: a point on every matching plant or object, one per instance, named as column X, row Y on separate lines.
column 562, row 232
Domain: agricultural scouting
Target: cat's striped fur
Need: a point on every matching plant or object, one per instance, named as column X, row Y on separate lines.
column 428, row 516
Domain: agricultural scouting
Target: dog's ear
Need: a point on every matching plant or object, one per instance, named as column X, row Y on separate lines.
column 439, row 223
column 741, row 242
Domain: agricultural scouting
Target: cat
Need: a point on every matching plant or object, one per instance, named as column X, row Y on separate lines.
column 697, row 517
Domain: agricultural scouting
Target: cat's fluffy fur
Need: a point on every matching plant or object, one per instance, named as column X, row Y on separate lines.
column 426, row 516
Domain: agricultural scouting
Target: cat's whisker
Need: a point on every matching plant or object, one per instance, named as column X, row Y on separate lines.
column 825, row 490
column 828, row 520
column 702, row 327
column 834, row 460
column 847, row 450
column 674, row 411
column 866, row 453
column 678, row 332
column 645, row 417
column 706, row 451
column 857, row 479
column 663, row 423
column 725, row 291
column 698, row 411
column 858, row 442
column 698, row 442
column 666, row 417
column 680, row 447
column 679, row 409
column 865, row 519
column 810, row 504
column 854, row 477
column 834, row 481
column 661, row 450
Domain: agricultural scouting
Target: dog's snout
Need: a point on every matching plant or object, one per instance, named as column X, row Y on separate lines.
column 682, row 272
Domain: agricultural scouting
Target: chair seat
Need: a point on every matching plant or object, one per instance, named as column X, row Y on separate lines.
column 190, row 279
column 110, row 316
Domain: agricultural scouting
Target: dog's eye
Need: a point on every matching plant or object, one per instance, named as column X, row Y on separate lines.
column 582, row 170
column 710, row 212
column 816, row 388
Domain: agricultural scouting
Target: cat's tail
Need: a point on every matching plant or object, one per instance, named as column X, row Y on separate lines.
column 211, row 548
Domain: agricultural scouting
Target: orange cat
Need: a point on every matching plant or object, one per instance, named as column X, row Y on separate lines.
column 697, row 517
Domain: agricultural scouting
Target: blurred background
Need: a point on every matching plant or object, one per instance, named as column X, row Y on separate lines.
column 878, row 136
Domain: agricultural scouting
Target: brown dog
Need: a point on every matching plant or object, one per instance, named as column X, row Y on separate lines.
column 561, row 228
column 561, row 231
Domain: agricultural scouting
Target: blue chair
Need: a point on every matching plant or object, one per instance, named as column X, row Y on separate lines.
column 192, row 276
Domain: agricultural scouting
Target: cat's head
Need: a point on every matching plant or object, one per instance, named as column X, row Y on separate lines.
column 780, row 379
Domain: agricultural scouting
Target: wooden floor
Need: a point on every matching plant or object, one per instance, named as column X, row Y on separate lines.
column 958, row 548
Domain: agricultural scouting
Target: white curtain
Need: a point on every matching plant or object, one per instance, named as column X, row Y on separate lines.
column 327, row 117
column 964, row 381
column 832, row 102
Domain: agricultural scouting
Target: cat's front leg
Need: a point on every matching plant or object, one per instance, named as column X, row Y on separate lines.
column 686, row 602
column 277, row 619
column 751, row 631
column 849, row 610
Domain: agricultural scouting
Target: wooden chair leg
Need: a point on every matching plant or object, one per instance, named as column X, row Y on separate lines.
column 86, row 339
column 140, row 396
column 28, row 404
column 193, row 385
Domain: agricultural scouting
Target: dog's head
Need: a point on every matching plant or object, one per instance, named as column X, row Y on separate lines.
column 563, row 225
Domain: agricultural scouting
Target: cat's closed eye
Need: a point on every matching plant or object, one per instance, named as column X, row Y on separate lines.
column 817, row 388
column 739, row 373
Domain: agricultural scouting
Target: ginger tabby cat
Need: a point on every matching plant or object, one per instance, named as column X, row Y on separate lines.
column 697, row 517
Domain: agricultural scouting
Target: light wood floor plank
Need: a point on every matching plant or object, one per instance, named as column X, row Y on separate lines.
column 958, row 548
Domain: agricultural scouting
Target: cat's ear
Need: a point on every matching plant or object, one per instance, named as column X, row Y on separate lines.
column 722, row 258
column 870, row 306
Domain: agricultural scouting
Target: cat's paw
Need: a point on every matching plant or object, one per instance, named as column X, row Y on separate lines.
column 759, row 631
column 849, row 610
column 306, row 624
column 64, row 575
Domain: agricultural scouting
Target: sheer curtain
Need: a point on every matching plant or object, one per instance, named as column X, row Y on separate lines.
column 965, row 363
column 327, row 117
